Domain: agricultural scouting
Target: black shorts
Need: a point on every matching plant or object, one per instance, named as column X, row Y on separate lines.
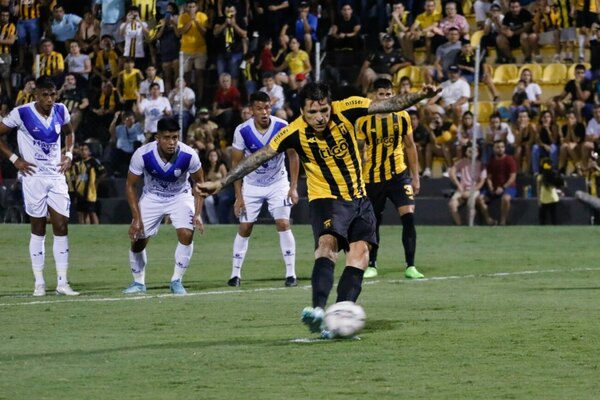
column 585, row 19
column 349, row 221
column 514, row 41
column 398, row 190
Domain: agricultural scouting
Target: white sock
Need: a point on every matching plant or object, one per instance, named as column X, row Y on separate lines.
column 288, row 250
column 183, row 254
column 138, row 266
column 37, row 253
column 581, row 42
column 60, row 248
column 240, row 247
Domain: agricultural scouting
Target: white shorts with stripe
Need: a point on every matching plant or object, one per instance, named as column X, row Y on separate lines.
column 40, row 193
column 179, row 208
column 275, row 195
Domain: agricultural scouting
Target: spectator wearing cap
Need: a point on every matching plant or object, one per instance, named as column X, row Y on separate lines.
column 454, row 97
column 303, row 26
column 203, row 133
column 381, row 64
column 444, row 57
column 297, row 61
column 63, row 27
column 276, row 94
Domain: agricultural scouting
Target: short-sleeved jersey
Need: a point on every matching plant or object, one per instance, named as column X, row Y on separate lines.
column 586, row 5
column 39, row 137
column 7, row 31
column 147, row 8
column 193, row 41
column 51, row 64
column 331, row 159
column 130, row 83
column 384, row 151
column 165, row 179
column 29, row 9
column 296, row 62
column 424, row 20
column 134, row 39
column 247, row 139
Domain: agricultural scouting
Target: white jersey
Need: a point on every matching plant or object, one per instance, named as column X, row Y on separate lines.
column 164, row 180
column 246, row 138
column 134, row 39
column 154, row 110
column 39, row 137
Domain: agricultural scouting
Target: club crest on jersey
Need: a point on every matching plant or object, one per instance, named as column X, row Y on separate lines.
column 57, row 128
column 177, row 172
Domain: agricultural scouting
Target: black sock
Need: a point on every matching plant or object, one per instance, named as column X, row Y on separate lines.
column 350, row 284
column 409, row 238
column 322, row 281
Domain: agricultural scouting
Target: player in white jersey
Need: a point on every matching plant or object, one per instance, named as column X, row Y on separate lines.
column 166, row 165
column 269, row 183
column 41, row 166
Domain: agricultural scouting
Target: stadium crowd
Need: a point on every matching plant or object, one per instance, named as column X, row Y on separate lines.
column 116, row 64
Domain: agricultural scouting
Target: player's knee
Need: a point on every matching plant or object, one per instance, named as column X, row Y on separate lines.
column 327, row 248
column 282, row 225
column 185, row 236
column 245, row 229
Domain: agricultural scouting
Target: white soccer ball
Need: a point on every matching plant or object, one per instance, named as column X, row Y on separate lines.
column 345, row 318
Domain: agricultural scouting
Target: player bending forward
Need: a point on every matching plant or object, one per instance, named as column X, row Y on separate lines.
column 166, row 165
column 269, row 183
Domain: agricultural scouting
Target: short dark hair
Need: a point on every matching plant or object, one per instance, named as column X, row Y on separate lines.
column 315, row 91
column 496, row 115
column 382, row 83
column 168, row 124
column 46, row 40
column 259, row 96
column 44, row 82
column 580, row 66
column 153, row 84
column 267, row 75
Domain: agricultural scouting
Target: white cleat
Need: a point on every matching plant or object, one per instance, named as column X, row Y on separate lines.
column 66, row 290
column 39, row 291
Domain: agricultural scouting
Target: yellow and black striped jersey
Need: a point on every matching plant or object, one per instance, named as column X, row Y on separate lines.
column 29, row 9
column 6, row 32
column 384, row 150
column 24, row 98
column 561, row 14
column 147, row 8
column 331, row 159
column 51, row 64
column 586, row 5
column 109, row 101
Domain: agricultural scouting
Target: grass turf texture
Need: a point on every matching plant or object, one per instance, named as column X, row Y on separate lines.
column 473, row 334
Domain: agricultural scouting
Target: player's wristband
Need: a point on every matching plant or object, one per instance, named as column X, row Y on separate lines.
column 69, row 155
column 13, row 159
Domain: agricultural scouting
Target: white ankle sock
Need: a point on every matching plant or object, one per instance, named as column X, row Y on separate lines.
column 138, row 266
column 240, row 247
column 288, row 250
column 37, row 253
column 183, row 254
column 60, row 248
column 581, row 43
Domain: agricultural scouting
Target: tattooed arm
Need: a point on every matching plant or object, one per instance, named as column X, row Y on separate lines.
column 402, row 101
column 246, row 166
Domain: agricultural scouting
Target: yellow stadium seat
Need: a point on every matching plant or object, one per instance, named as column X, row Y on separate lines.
column 484, row 111
column 476, row 38
column 571, row 71
column 536, row 72
column 554, row 73
column 505, row 74
column 400, row 74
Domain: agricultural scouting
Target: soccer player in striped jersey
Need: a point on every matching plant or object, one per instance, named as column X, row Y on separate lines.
column 386, row 139
column 166, row 165
column 269, row 183
column 42, row 167
column 341, row 214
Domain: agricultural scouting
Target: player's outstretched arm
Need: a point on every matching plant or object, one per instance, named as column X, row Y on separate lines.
column 246, row 166
column 403, row 101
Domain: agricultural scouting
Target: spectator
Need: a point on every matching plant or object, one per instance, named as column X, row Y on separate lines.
column 128, row 84
column 516, row 31
column 267, row 59
column 465, row 60
column 8, row 36
column 292, row 104
column 422, row 31
column 533, row 91
column 203, row 133
column 169, row 43
column 346, row 45
column 271, row 15
column 231, row 37
column 26, row 95
column 407, row 87
column 467, row 132
column 501, row 180
column 297, row 61
column 303, row 27
column 548, row 182
column 492, row 27
column 381, row 64
column 497, row 130
column 106, row 65
column 567, row 31
column 482, row 8
column 226, row 107
column 545, row 26
column 186, row 101
column 573, row 133
column 250, row 75
column 193, row 25
column 399, row 24
column 592, row 138
column 127, row 137
column 464, row 180
column 586, row 14
column 420, row 137
column 78, row 64
column 52, row 63
column 29, row 30
column 104, row 109
column 147, row 9
column 151, row 77
column 576, row 94
column 218, row 208
column 444, row 58
column 88, row 171
column 525, row 137
column 63, row 28
column 276, row 94
column 112, row 11
column 441, row 136
column 134, row 30
column 153, row 109
column 88, row 34
column 452, row 21
column 74, row 98
column 454, row 98
column 547, row 143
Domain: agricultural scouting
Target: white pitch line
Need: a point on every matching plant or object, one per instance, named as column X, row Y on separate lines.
column 84, row 299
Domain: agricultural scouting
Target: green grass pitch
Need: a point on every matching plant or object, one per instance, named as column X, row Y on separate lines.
column 505, row 313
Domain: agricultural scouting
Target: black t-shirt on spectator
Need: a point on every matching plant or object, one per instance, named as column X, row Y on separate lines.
column 381, row 62
column 579, row 132
column 229, row 42
column 351, row 43
column 516, row 22
column 586, row 85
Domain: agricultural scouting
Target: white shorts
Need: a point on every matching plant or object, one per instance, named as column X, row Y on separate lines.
column 276, row 197
column 40, row 193
column 180, row 208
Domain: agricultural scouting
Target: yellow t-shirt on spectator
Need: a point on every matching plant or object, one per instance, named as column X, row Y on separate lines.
column 425, row 20
column 296, row 62
column 193, row 41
